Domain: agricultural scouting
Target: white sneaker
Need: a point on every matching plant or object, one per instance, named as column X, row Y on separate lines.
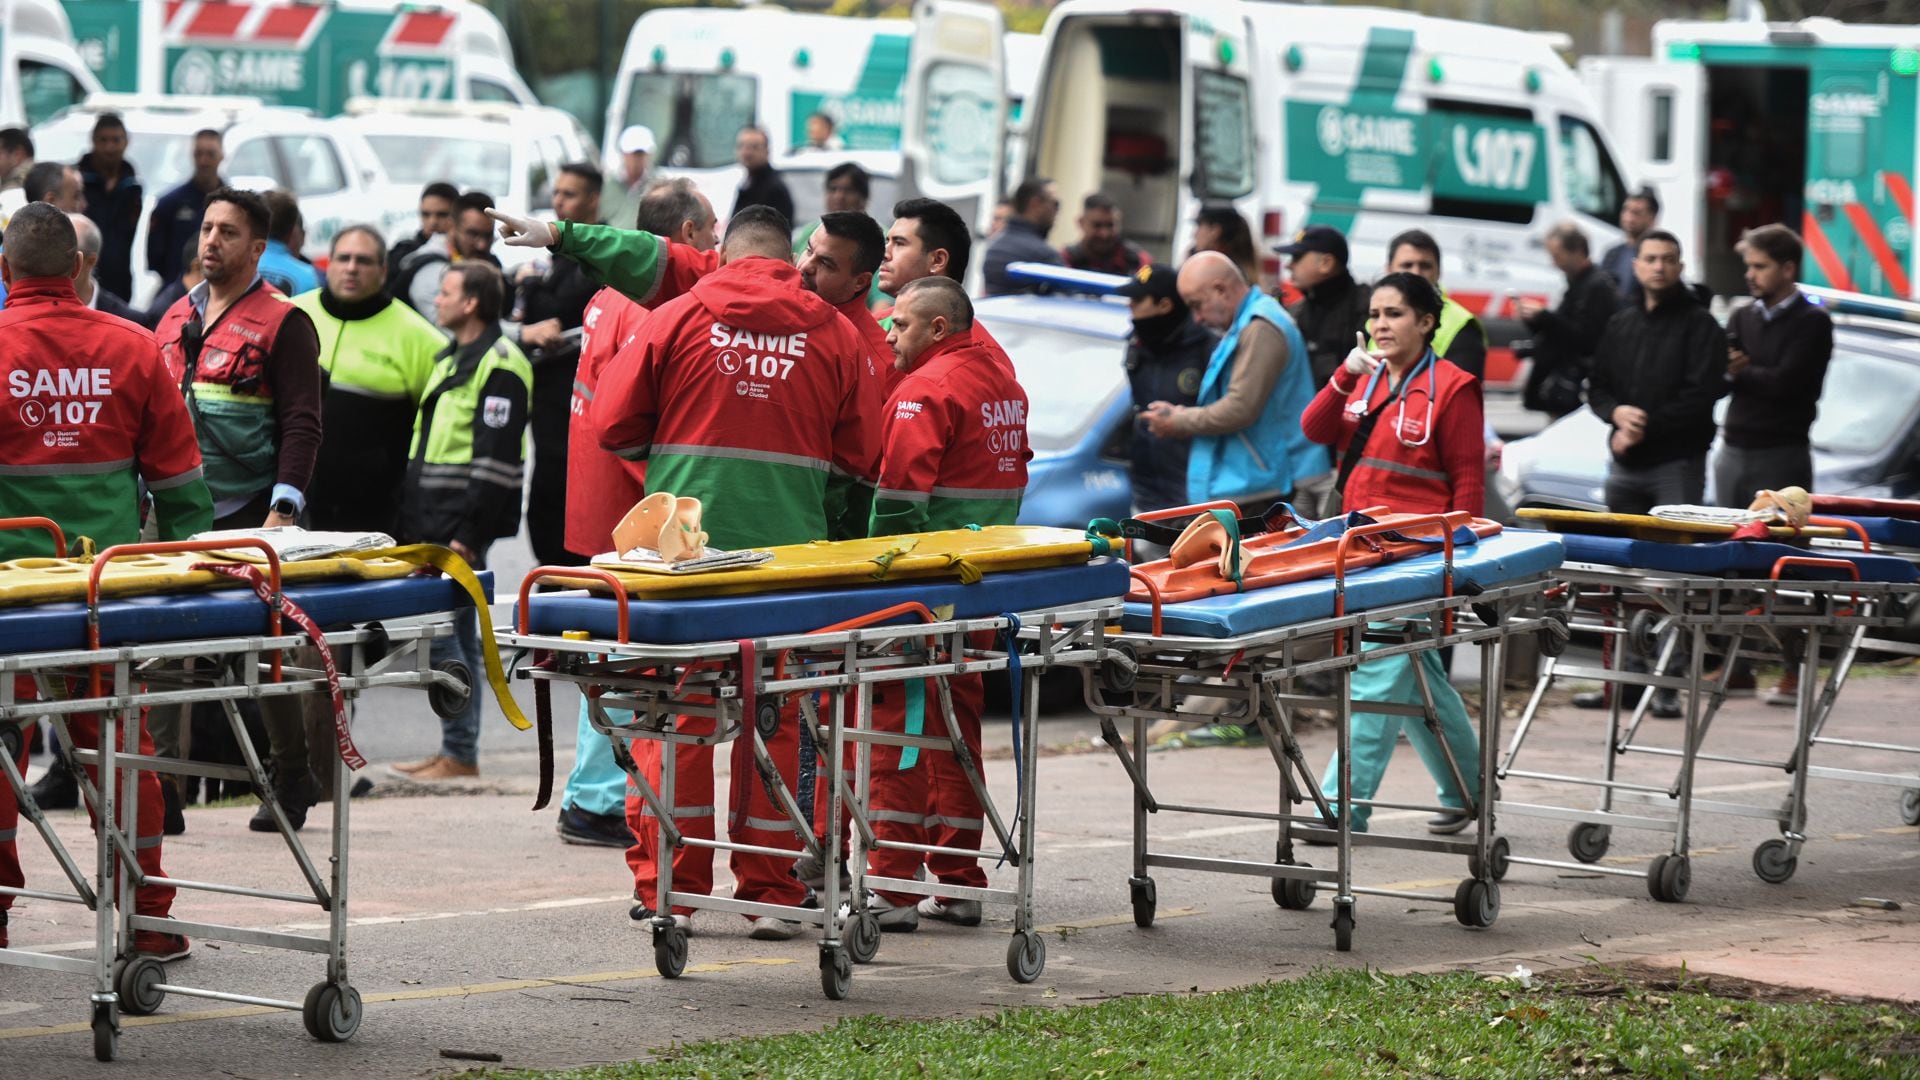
column 902, row 919
column 768, row 928
column 957, row 912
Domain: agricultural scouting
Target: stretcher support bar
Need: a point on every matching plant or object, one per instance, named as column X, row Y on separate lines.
column 264, row 938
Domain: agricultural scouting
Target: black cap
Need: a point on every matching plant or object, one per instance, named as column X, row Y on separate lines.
column 1321, row 238
column 1155, row 280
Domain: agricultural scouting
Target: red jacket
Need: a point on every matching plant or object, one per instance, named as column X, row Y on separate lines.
column 955, row 450
column 746, row 394
column 600, row 486
column 1446, row 471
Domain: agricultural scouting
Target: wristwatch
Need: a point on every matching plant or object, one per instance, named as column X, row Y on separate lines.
column 284, row 507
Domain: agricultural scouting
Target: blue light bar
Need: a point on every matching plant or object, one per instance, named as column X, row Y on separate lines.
column 1873, row 307
column 1066, row 279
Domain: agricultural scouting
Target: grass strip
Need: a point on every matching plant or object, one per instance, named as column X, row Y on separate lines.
column 1346, row 1024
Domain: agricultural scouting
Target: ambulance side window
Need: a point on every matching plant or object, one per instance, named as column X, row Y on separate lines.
column 1222, row 136
column 46, row 89
column 489, row 90
column 1594, row 187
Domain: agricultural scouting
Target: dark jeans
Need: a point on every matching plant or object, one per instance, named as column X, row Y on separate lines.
column 547, row 481
column 1636, row 490
column 1739, row 472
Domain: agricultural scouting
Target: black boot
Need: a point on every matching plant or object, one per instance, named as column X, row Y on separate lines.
column 296, row 796
column 174, row 821
column 57, row 790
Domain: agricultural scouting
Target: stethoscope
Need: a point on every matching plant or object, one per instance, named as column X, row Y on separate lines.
column 1428, row 363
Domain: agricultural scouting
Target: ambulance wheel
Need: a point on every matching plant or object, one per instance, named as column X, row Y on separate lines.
column 1145, row 899
column 1643, row 633
column 1774, row 861
column 1119, row 671
column 1668, row 878
column 1294, row 894
column 106, row 1033
column 1910, row 806
column 331, row 1013
column 1499, row 854
column 448, row 701
column 1589, row 840
column 1342, row 927
column 1026, row 956
column 1556, row 634
column 863, row 937
column 1476, row 903
column 836, row 973
column 670, row 951
column 135, row 981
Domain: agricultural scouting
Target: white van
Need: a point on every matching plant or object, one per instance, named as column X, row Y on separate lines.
column 40, row 70
column 1368, row 120
column 1809, row 124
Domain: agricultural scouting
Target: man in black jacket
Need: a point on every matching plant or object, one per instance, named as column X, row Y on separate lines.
column 1333, row 306
column 1166, row 358
column 1779, row 348
column 114, row 201
column 762, row 185
column 1036, row 205
column 1564, row 337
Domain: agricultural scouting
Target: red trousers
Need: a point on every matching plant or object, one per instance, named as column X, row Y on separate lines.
column 752, row 816
column 84, row 728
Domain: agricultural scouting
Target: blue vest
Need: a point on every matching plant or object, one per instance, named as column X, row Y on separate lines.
column 1273, row 456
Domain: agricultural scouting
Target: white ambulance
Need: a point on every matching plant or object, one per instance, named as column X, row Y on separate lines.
column 1808, row 124
column 1367, row 120
column 40, row 70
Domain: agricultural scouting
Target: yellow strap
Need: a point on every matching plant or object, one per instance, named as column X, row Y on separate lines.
column 455, row 567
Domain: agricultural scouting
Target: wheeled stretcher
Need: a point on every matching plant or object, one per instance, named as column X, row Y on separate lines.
column 794, row 630
column 151, row 625
column 1675, row 605
column 1248, row 649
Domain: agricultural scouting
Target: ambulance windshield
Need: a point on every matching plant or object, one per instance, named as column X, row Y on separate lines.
column 694, row 116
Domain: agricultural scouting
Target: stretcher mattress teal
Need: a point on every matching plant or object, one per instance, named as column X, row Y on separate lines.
column 226, row 613
column 1495, row 560
column 1730, row 558
column 729, row 618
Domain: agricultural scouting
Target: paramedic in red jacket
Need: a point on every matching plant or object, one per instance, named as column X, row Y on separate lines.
column 744, row 393
column 954, row 453
column 93, row 413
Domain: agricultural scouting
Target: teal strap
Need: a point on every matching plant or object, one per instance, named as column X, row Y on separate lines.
column 1232, row 525
column 916, row 721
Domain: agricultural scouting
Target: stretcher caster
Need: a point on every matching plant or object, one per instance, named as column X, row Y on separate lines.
column 1499, row 854
column 1556, row 634
column 10, row 736
column 135, row 981
column 1119, row 671
column 1476, row 903
column 767, row 719
column 1668, row 878
column 670, row 951
column 1342, row 927
column 447, row 701
column 1294, row 894
column 1145, row 899
column 1588, row 841
column 863, row 937
column 106, row 1032
column 1643, row 633
column 1026, row 956
column 1910, row 806
column 331, row 1013
column 836, row 973
column 1774, row 861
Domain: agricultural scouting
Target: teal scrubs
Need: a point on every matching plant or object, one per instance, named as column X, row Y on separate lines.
column 597, row 784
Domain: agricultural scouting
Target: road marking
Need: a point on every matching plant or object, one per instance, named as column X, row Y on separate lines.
column 470, row 990
column 1404, row 886
column 1113, row 920
column 1218, row 830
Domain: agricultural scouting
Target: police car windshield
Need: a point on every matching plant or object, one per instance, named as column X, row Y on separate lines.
column 483, row 164
column 1069, row 379
column 1866, row 402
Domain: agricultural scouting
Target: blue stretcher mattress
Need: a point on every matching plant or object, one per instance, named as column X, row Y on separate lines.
column 1894, row 532
column 1727, row 558
column 727, row 618
column 1503, row 557
column 226, row 612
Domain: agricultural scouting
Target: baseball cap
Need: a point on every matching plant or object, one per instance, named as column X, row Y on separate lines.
column 1155, row 280
column 637, row 139
column 1321, row 238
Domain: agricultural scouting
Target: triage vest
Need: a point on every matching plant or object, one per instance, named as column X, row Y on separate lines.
column 227, row 388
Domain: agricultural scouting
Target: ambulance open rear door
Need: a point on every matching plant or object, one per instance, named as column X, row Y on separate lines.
column 954, row 132
column 1656, row 112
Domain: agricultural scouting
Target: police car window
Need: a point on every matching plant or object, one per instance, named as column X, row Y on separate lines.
column 312, row 166
column 1069, row 379
column 45, row 90
column 1865, row 403
column 1593, row 184
column 1223, row 136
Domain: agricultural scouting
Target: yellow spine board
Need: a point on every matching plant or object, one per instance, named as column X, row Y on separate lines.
column 1660, row 530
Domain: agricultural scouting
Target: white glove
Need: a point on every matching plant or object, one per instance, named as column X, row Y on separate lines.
column 524, row 232
column 1359, row 362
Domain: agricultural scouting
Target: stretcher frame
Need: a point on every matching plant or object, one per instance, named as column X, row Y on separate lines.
column 742, row 681
column 117, row 683
column 1883, row 646
column 1654, row 612
column 1256, row 671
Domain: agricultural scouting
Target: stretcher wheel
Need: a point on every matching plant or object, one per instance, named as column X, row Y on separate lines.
column 1556, row 634
column 1145, row 899
column 863, row 937
column 1498, row 855
column 1294, row 894
column 1119, row 672
column 670, row 951
column 836, row 973
column 1643, row 633
column 10, row 737
column 1589, row 840
column 106, row 1033
column 1476, row 903
column 1342, row 927
column 767, row 718
column 374, row 649
column 448, row 702
column 1668, row 878
column 1026, row 956
column 135, row 981
column 1488, row 614
column 1774, row 861
column 1910, row 806
column 331, row 1013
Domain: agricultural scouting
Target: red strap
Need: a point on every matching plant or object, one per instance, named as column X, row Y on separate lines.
column 749, row 675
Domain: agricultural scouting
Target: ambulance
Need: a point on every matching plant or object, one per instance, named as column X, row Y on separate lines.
column 1809, row 124
column 1367, row 120
column 297, row 53
column 40, row 70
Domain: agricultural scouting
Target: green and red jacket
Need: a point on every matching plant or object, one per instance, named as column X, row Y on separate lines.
column 92, row 412
column 954, row 452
